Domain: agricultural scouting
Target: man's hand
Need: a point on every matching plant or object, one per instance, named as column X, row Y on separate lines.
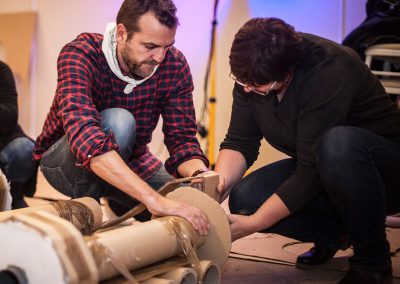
column 241, row 226
column 167, row 207
column 111, row 168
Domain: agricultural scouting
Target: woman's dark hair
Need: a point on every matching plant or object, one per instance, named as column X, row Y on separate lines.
column 264, row 50
column 132, row 10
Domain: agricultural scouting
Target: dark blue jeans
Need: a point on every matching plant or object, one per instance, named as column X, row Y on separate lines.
column 359, row 173
column 58, row 164
column 16, row 160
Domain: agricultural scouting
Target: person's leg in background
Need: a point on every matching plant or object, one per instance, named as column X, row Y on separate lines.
column 317, row 222
column 359, row 171
column 20, row 169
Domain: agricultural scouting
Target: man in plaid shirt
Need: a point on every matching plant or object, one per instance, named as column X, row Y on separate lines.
column 110, row 94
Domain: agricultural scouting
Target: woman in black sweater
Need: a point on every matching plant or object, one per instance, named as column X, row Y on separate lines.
column 16, row 148
column 317, row 102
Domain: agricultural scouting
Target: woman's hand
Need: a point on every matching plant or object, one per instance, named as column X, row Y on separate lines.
column 241, row 226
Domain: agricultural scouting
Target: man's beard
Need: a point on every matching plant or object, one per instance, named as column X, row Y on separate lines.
column 141, row 70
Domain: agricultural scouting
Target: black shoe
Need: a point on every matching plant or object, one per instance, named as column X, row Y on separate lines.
column 316, row 256
column 18, row 203
column 17, row 193
column 367, row 277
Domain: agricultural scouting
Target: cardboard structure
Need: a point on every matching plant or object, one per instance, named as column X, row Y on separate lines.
column 71, row 258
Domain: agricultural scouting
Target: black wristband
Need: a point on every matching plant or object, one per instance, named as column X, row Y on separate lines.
column 199, row 171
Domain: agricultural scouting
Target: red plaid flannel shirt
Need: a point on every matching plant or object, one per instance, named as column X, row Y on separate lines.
column 86, row 86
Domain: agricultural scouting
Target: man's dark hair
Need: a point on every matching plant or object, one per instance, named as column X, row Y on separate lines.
column 264, row 50
column 132, row 10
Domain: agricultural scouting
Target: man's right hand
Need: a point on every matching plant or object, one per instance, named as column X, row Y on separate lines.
column 162, row 206
column 111, row 168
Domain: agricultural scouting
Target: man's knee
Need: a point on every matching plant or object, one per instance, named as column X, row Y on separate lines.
column 119, row 120
column 123, row 125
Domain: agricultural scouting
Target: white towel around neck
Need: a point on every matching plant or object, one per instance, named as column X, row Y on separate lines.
column 109, row 48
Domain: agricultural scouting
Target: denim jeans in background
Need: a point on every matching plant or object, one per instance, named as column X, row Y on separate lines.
column 359, row 173
column 16, row 160
column 58, row 164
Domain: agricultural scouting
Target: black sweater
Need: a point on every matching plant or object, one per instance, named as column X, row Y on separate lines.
column 9, row 128
column 331, row 87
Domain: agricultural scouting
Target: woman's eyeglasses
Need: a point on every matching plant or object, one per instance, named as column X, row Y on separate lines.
column 251, row 88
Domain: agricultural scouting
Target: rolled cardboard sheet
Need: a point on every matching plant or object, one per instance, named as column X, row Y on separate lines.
column 211, row 272
column 5, row 196
column 218, row 244
column 45, row 248
column 182, row 275
column 87, row 202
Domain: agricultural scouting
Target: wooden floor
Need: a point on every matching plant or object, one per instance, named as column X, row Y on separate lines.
column 237, row 271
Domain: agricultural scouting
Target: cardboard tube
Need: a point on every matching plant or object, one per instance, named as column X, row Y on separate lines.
column 141, row 244
column 89, row 202
column 156, row 280
column 182, row 275
column 211, row 273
